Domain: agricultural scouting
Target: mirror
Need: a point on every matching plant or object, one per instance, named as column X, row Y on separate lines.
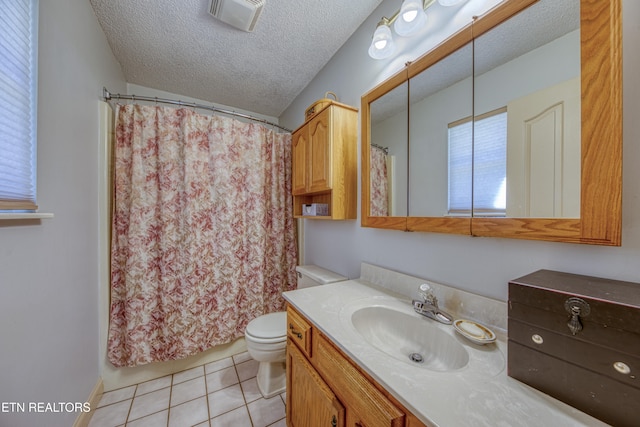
column 582, row 201
column 440, row 102
column 389, row 153
column 526, row 136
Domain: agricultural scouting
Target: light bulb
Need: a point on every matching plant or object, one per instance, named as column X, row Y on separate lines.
column 382, row 45
column 410, row 15
column 411, row 18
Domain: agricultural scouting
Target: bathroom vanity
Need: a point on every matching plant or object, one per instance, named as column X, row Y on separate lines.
column 355, row 379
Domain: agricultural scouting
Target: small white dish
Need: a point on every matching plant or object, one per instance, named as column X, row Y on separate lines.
column 474, row 331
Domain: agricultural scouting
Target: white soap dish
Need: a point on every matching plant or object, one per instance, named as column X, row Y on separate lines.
column 474, row 331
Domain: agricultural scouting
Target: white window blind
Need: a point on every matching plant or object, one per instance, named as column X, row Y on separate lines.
column 482, row 153
column 490, row 164
column 460, row 168
column 18, row 91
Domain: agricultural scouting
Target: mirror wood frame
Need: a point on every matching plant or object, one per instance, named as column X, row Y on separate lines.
column 600, row 221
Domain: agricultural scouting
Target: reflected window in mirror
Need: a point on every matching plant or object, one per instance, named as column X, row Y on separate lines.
column 488, row 134
column 490, row 164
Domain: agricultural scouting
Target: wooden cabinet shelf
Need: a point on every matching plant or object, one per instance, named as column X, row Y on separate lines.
column 324, row 387
column 324, row 152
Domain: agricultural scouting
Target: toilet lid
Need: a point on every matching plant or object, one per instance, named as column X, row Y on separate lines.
column 270, row 325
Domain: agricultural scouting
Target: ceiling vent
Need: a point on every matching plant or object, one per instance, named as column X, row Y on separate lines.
column 242, row 14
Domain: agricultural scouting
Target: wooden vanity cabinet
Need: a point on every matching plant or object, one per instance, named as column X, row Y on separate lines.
column 325, row 388
column 324, row 165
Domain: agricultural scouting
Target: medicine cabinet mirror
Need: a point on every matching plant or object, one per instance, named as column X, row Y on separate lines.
column 512, row 128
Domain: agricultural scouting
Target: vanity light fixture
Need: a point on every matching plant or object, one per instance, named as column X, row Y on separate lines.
column 408, row 20
column 382, row 45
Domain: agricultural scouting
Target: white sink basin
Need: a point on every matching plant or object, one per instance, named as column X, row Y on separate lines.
column 411, row 339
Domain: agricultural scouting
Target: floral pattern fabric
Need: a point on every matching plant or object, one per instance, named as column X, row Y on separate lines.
column 379, row 193
column 203, row 236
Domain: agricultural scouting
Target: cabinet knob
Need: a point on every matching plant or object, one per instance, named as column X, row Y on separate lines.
column 294, row 332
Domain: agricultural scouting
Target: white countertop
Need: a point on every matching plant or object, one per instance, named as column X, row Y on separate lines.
column 479, row 394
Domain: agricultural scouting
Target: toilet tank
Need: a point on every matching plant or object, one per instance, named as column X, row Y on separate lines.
column 312, row 275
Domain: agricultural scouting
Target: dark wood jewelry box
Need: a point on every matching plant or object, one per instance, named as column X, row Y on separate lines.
column 577, row 338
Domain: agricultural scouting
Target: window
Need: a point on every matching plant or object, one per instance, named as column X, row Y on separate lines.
column 481, row 151
column 18, row 90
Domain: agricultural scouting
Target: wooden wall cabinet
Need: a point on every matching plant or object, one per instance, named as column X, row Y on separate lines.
column 324, row 166
column 325, row 388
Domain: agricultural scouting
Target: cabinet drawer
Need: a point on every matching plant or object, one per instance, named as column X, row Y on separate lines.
column 299, row 330
column 368, row 404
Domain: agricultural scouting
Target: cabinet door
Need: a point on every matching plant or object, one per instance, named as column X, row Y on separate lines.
column 299, row 163
column 366, row 405
column 310, row 402
column 320, row 147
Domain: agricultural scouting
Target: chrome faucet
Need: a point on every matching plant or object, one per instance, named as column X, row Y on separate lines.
column 428, row 307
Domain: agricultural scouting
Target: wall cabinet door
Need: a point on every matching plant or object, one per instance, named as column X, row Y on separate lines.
column 299, row 164
column 310, row 401
column 320, row 150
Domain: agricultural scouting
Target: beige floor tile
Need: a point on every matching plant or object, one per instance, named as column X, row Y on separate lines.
column 236, row 418
column 117, row 396
column 187, row 375
column 221, row 379
column 250, row 390
column 266, row 411
column 153, row 420
column 225, row 400
column 153, row 385
column 111, row 415
column 188, row 390
column 241, row 357
column 218, row 365
column 150, row 403
column 281, row 423
column 248, row 369
column 189, row 414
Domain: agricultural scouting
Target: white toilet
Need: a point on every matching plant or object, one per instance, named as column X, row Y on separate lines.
column 266, row 336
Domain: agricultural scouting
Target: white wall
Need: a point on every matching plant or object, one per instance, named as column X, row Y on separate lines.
column 49, row 269
column 480, row 265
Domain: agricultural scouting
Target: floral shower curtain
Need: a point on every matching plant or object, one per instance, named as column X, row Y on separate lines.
column 379, row 192
column 203, row 234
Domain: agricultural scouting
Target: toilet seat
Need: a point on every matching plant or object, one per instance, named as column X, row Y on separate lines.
column 268, row 329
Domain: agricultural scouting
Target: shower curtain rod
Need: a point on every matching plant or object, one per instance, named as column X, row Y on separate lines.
column 108, row 96
column 379, row 147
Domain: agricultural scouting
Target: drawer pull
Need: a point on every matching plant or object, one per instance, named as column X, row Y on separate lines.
column 294, row 332
column 622, row 367
column 334, row 421
column 537, row 339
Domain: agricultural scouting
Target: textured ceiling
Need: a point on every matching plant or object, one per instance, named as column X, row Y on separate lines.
column 176, row 46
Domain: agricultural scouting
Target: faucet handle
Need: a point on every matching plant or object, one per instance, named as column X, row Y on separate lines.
column 427, row 294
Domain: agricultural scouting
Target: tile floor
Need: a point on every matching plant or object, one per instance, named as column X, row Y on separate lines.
column 218, row 394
